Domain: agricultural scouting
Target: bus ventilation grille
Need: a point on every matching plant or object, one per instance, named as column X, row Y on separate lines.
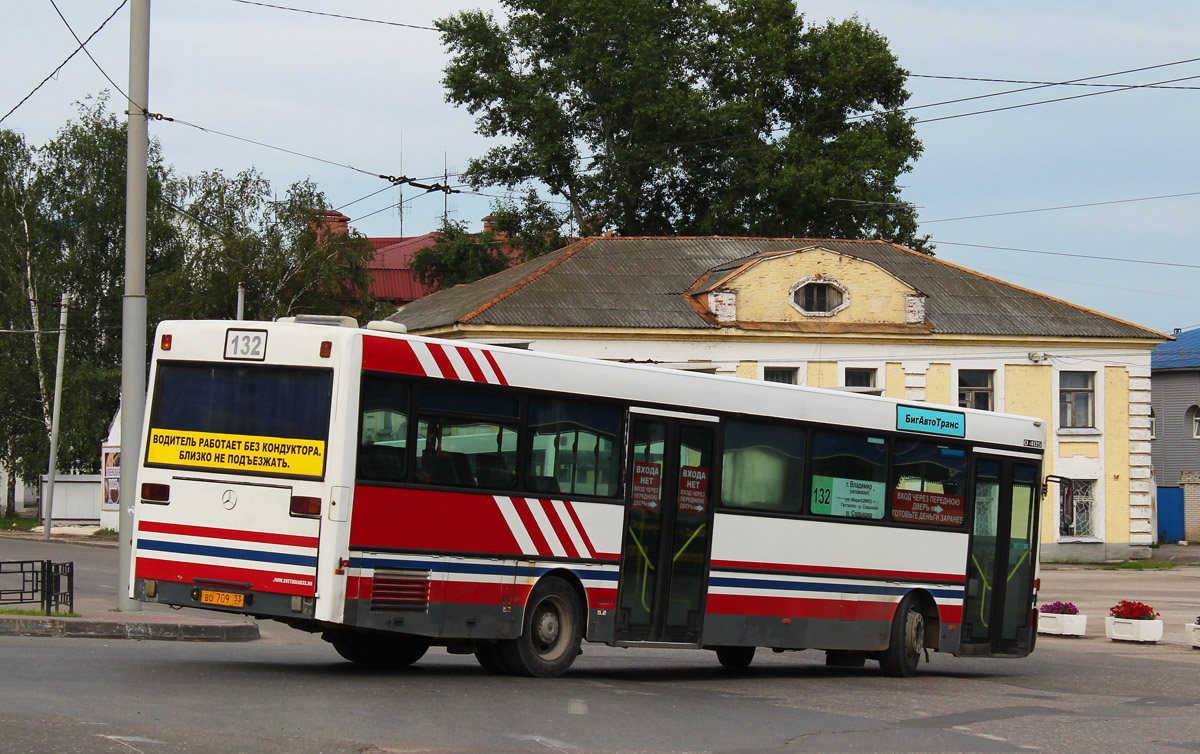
column 400, row 591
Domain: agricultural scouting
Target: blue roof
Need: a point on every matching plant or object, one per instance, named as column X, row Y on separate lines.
column 1181, row 353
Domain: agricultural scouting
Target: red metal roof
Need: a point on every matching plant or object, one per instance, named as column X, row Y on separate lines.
column 393, row 279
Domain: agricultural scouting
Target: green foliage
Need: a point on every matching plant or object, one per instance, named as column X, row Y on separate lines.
column 458, row 257
column 531, row 227
column 62, row 228
column 657, row 117
column 284, row 253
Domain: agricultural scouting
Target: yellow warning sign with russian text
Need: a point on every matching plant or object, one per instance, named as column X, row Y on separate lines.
column 236, row 452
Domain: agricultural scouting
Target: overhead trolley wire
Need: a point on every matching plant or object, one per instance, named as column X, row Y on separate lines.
column 58, row 68
column 83, row 46
column 336, row 15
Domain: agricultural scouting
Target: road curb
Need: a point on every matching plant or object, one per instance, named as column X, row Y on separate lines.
column 87, row 628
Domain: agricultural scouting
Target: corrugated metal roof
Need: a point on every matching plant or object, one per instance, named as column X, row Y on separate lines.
column 641, row 282
column 1183, row 353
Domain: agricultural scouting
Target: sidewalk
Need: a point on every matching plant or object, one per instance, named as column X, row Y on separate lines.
column 95, row 596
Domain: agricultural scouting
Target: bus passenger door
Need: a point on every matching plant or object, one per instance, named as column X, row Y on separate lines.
column 664, row 559
column 1002, row 557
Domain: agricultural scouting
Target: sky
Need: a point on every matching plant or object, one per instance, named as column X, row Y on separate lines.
column 997, row 191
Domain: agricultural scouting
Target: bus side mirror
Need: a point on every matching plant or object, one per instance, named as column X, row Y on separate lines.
column 1066, row 487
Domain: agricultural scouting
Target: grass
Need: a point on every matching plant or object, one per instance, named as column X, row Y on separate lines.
column 37, row 613
column 1139, row 565
column 106, row 532
column 19, row 523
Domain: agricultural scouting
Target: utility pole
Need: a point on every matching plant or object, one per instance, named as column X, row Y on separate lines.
column 133, row 305
column 241, row 304
column 48, row 503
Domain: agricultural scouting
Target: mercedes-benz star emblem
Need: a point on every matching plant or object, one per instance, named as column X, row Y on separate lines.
column 229, row 499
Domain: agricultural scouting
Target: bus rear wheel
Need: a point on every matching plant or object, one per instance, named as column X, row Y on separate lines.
column 378, row 650
column 550, row 633
column 735, row 658
column 903, row 654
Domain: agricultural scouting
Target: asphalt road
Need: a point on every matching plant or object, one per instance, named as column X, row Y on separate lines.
column 289, row 692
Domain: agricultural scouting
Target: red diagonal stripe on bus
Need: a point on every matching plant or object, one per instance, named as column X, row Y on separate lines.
column 261, row 537
column 468, row 358
column 557, row 524
column 949, row 578
column 495, row 367
column 531, row 525
column 390, row 355
column 443, row 361
column 591, row 551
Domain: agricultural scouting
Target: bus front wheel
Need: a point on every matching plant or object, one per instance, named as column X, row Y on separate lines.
column 903, row 654
column 551, row 632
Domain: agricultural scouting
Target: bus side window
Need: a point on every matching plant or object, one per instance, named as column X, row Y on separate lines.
column 930, row 483
column 573, row 447
column 383, row 430
column 763, row 467
column 849, row 475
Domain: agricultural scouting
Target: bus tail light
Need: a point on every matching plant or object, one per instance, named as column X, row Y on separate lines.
column 326, row 348
column 156, row 493
column 305, row 506
column 165, row 343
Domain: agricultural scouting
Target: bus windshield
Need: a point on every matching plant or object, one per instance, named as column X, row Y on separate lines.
column 252, row 419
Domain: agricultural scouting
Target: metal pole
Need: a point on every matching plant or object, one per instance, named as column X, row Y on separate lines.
column 241, row 309
column 133, row 305
column 48, row 507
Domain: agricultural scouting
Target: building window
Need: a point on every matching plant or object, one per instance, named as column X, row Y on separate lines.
column 1153, row 425
column 1076, row 399
column 1075, row 510
column 786, row 375
column 1196, row 427
column 819, row 297
column 976, row 389
column 860, row 377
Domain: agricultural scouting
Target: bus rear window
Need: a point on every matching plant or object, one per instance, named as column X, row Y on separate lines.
column 240, row 418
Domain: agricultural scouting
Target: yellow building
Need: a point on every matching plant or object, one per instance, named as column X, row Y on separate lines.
column 859, row 315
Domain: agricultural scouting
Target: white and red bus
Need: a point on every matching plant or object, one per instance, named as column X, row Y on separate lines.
column 393, row 493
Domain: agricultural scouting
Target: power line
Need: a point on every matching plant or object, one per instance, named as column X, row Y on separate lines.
column 1065, row 254
column 393, row 179
column 68, row 60
column 1039, row 83
column 1065, row 206
column 1056, row 99
column 337, row 15
column 83, row 46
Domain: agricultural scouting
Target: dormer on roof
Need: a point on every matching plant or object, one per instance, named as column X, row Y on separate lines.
column 811, row 287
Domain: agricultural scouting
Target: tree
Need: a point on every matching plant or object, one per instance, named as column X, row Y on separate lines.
column 458, row 256
column 62, row 228
column 690, row 116
column 285, row 253
column 530, row 227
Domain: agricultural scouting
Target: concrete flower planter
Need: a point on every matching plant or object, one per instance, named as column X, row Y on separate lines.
column 1123, row 629
column 1062, row 625
column 1193, row 633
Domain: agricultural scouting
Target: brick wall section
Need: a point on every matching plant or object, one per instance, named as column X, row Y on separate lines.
column 1190, row 482
column 1141, row 531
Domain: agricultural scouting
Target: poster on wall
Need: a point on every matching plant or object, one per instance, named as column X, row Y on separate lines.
column 110, row 470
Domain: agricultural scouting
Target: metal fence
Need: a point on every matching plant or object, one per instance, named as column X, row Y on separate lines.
column 50, row 584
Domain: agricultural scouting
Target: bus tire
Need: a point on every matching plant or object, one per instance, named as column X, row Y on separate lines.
column 903, row 654
column 491, row 659
column 379, row 651
column 735, row 658
column 551, row 632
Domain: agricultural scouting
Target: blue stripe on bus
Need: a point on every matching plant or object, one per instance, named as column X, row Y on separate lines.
column 228, row 552
column 480, row 569
column 810, row 586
